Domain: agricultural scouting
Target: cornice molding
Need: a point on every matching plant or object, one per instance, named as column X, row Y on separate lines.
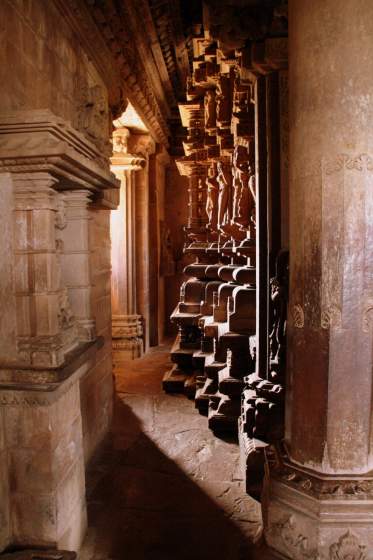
column 116, row 57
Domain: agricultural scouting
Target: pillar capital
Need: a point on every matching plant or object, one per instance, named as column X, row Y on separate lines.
column 125, row 157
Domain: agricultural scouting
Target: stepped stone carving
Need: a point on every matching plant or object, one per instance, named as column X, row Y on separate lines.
column 216, row 312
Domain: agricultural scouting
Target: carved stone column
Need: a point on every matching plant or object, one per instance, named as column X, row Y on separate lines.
column 49, row 174
column 76, row 257
column 127, row 329
column 321, row 500
column 46, row 326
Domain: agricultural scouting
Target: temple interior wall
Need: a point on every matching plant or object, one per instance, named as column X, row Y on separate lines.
column 53, row 70
column 44, row 444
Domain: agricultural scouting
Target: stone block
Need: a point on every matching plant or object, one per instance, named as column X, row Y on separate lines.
column 69, row 450
column 31, row 471
column 22, row 242
column 76, row 236
column 46, row 309
column 7, row 300
column 27, row 427
column 2, row 430
column 96, row 405
column 21, row 273
column 34, row 519
column 4, row 501
column 80, row 301
column 65, row 411
column 43, row 229
column 23, row 305
column 70, row 494
column 72, row 537
column 76, row 269
column 42, row 469
column 47, row 277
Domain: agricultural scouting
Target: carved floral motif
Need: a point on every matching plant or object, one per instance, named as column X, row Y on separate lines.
column 295, row 543
column 368, row 318
column 362, row 162
column 298, row 316
column 347, row 548
column 331, row 316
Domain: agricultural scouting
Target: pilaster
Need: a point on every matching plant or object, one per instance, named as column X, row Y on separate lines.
column 76, row 260
column 45, row 323
column 127, row 324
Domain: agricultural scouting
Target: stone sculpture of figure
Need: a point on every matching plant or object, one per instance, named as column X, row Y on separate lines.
column 223, row 201
column 237, row 193
column 240, row 199
column 252, row 188
column 120, row 141
column 279, row 297
column 222, row 100
column 210, row 110
column 212, row 198
column 244, row 189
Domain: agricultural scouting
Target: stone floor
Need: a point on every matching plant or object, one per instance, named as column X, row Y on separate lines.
column 164, row 487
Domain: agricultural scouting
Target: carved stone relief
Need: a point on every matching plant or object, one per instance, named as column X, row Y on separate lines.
column 294, row 542
column 298, row 316
column 348, row 546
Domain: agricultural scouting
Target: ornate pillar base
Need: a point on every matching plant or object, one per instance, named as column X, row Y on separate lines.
column 127, row 334
column 308, row 517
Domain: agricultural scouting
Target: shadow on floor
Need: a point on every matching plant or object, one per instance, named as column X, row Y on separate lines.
column 142, row 506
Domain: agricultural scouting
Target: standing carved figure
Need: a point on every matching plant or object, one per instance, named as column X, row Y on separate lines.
column 210, row 110
column 240, row 212
column 279, row 298
column 223, row 106
column 252, row 188
column 223, row 201
column 237, row 194
column 212, row 198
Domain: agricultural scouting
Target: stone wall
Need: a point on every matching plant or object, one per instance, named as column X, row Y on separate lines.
column 52, row 69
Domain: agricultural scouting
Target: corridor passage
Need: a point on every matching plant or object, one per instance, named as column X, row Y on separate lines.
column 164, row 488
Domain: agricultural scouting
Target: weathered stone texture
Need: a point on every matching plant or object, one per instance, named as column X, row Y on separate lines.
column 52, row 68
column 97, row 385
column 7, row 299
column 54, row 274
column 46, row 470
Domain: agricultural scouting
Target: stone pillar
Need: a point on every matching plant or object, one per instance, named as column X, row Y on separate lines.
column 321, row 500
column 127, row 328
column 45, row 324
column 144, row 145
column 76, row 265
column 55, row 374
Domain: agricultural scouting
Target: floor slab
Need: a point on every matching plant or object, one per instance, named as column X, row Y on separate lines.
column 164, row 487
